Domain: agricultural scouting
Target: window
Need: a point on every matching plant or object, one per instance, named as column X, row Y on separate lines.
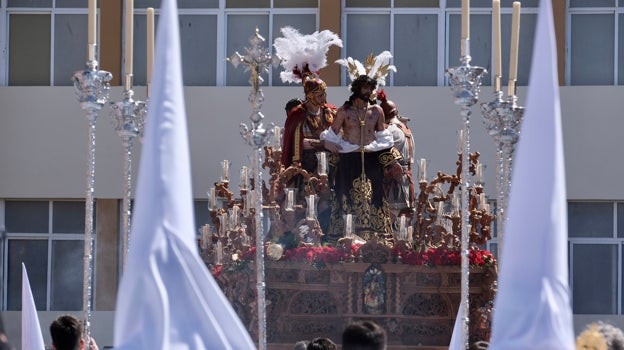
column 424, row 37
column 205, row 44
column 48, row 237
column 596, row 264
column 596, row 43
column 242, row 23
column 46, row 42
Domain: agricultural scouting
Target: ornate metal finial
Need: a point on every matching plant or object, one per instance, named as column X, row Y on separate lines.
column 257, row 60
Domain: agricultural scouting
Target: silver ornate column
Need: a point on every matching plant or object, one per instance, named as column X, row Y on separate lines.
column 125, row 116
column 257, row 60
column 502, row 119
column 92, row 87
column 465, row 82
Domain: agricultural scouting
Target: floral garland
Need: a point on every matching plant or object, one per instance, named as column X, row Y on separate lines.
column 320, row 256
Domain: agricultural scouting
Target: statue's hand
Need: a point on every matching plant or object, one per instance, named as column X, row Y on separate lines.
column 332, row 147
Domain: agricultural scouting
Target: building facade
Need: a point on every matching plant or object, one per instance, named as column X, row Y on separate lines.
column 44, row 133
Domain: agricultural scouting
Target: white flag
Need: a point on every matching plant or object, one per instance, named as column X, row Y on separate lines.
column 457, row 338
column 167, row 299
column 32, row 338
column 532, row 307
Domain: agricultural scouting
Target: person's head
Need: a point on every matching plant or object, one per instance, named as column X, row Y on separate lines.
column 292, row 103
column 301, row 345
column 315, row 90
column 389, row 108
column 601, row 335
column 363, row 335
column 67, row 333
column 363, row 87
column 321, row 344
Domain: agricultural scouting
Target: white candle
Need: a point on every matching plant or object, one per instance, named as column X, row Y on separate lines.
column 410, row 234
column 213, row 199
column 311, row 207
column 515, row 39
column 92, row 29
column 465, row 26
column 423, row 169
column 496, row 29
column 440, row 209
column 277, row 133
column 222, row 223
column 129, row 35
column 225, row 166
column 479, row 173
column 150, row 45
column 243, row 176
column 235, row 216
column 248, row 203
column 323, row 170
column 402, row 228
column 349, row 225
column 456, row 204
column 219, row 253
column 290, row 199
column 460, row 141
column 482, row 200
column 205, row 236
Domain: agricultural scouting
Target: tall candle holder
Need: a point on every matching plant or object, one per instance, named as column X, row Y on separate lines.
column 502, row 119
column 125, row 116
column 92, row 86
column 465, row 83
column 257, row 60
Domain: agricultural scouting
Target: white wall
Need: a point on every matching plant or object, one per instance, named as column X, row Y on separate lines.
column 43, row 137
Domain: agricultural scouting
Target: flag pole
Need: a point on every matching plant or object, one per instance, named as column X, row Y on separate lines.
column 257, row 59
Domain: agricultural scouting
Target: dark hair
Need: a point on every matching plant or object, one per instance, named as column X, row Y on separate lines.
column 364, row 335
column 66, row 332
column 362, row 80
column 356, row 88
column 292, row 103
column 321, row 344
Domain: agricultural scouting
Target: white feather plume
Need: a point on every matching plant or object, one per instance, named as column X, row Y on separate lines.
column 376, row 67
column 295, row 50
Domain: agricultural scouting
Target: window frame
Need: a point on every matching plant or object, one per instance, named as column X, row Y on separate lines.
column 613, row 10
column 50, row 237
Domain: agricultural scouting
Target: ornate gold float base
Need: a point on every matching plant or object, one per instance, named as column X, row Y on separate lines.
column 417, row 305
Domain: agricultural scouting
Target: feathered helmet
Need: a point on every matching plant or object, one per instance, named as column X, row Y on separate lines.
column 375, row 67
column 389, row 108
column 302, row 56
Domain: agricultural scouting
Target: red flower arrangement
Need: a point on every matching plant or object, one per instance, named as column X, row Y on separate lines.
column 321, row 255
column 442, row 256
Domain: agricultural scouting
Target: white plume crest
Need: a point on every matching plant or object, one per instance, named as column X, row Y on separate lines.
column 376, row 67
column 296, row 51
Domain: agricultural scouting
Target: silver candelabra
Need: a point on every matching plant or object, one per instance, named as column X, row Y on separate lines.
column 92, row 87
column 465, row 83
column 257, row 60
column 127, row 118
column 502, row 119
